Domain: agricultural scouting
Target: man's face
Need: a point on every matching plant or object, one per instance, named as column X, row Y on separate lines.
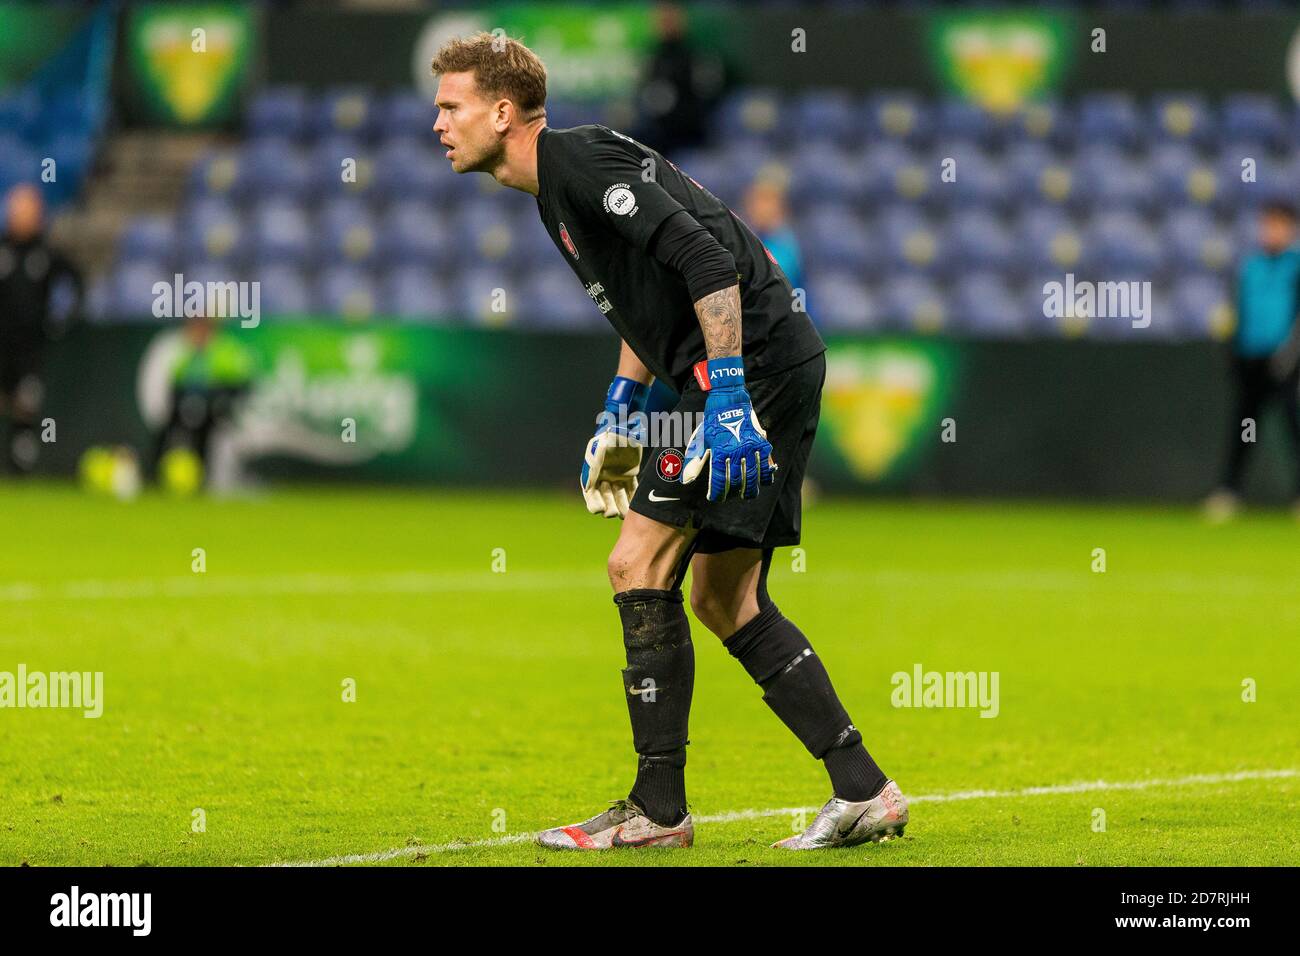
column 1276, row 231
column 25, row 212
column 466, row 125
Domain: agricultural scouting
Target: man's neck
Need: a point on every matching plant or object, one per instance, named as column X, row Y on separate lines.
column 518, row 169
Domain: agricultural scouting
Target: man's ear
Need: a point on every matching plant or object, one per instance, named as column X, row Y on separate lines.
column 503, row 115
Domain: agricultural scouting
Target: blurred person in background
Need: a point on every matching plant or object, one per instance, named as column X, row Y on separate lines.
column 211, row 373
column 1266, row 349
column 30, row 271
column 768, row 215
column 679, row 88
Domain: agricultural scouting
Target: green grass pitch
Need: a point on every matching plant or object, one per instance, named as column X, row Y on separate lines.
column 488, row 703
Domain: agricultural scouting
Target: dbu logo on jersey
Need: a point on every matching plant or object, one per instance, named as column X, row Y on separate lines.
column 619, row 200
column 568, row 240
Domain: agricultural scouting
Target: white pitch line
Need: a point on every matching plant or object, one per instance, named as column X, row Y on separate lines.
column 431, row 582
column 1200, row 779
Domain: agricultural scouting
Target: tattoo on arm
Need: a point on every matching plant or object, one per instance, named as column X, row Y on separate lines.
column 719, row 315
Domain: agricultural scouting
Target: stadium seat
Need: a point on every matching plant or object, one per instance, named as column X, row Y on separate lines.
column 842, row 302
column 983, row 304
column 347, row 292
column 283, row 290
column 1203, row 307
column 751, row 114
column 899, row 116
column 347, row 110
column 273, row 168
column 913, row 304
column 1047, row 241
column 1196, row 243
column 413, row 293
column 824, row 116
column 415, row 234
column 827, row 174
column 148, row 237
column 552, row 298
column 836, row 238
column 1182, row 118
column 280, row 232
column 278, row 111
column 1112, row 118
column 406, row 114
column 978, row 240
column 892, row 171
column 1120, row 241
column 1110, row 179
column 1254, row 117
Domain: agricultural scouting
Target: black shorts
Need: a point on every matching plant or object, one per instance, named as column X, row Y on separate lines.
column 788, row 405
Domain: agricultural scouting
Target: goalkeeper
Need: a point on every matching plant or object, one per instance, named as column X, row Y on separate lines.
column 702, row 307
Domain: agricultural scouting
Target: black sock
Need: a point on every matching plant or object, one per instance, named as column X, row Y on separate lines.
column 657, row 684
column 660, row 788
column 796, row 686
column 854, row 775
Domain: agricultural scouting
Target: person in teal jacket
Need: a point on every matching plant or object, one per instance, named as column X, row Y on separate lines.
column 1266, row 348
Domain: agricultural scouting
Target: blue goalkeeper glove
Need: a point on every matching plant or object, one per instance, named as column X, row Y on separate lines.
column 613, row 456
column 729, row 442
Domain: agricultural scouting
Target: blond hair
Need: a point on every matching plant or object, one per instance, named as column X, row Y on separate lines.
column 502, row 67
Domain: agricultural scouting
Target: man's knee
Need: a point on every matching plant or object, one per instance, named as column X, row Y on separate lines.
column 645, row 558
column 710, row 609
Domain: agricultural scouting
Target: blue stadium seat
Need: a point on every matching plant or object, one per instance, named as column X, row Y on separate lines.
column 827, row 173
column 1182, row 177
column 1047, row 241
column 1203, row 307
column 414, row 233
column 910, row 243
column 278, row 111
column 216, row 174
column 891, row 171
column 1195, row 242
column 1048, row 122
column 130, row 293
column 551, row 298
column 488, row 296
column 751, row 113
column 1273, row 177
column 1119, row 241
column 899, row 116
column 405, row 170
column 413, row 293
column 347, row 292
column 913, row 304
column 148, row 237
column 274, row 169
column 961, row 122
column 825, row 116
column 977, row 240
column 280, row 232
column 1182, row 118
column 346, row 232
column 983, row 304
column 836, row 238
column 347, row 110
column 283, row 290
column 1254, row 117
column 842, row 302
column 979, row 178
column 406, row 114
column 1110, row 179
column 1112, row 118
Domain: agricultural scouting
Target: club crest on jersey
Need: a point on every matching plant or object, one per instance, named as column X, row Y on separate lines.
column 670, row 464
column 568, row 240
column 619, row 200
